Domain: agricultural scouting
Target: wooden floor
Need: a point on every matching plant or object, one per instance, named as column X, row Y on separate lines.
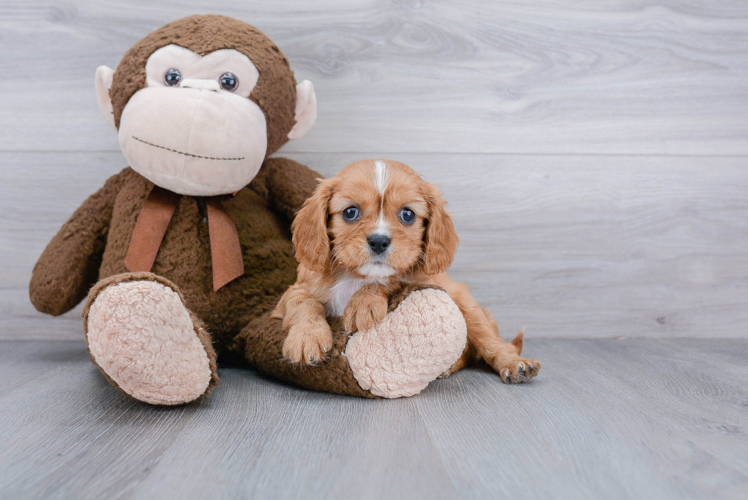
column 595, row 158
column 663, row 419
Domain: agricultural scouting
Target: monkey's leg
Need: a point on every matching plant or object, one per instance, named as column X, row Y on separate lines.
column 422, row 335
column 146, row 342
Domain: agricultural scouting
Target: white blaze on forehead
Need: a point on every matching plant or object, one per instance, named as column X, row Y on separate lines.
column 380, row 176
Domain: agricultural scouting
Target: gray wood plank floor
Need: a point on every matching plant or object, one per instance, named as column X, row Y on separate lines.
column 612, row 419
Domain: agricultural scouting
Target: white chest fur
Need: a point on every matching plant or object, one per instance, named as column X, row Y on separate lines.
column 340, row 293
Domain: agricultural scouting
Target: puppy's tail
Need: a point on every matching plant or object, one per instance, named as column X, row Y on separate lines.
column 519, row 340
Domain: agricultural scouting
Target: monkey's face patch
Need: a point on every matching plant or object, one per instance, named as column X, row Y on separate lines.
column 192, row 129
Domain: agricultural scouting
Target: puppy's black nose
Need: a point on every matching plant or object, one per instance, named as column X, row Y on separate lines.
column 378, row 243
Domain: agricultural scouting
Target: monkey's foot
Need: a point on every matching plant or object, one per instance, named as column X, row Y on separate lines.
column 414, row 344
column 146, row 342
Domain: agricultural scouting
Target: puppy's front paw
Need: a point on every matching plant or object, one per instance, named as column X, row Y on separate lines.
column 518, row 370
column 364, row 311
column 307, row 344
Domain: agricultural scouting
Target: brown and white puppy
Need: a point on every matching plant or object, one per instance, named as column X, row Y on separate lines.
column 365, row 231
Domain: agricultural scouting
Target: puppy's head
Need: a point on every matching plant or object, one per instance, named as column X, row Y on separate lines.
column 376, row 218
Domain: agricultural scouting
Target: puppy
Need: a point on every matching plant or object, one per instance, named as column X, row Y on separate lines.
column 364, row 232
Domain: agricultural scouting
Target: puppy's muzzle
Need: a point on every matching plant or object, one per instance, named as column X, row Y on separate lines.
column 378, row 243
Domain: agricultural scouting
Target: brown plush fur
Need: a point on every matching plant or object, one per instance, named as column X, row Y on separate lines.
column 275, row 92
column 99, row 233
column 70, row 264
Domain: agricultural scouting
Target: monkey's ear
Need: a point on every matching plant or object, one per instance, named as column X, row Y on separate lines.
column 306, row 110
column 104, row 77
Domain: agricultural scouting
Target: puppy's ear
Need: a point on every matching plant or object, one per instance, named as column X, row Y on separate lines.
column 440, row 238
column 310, row 239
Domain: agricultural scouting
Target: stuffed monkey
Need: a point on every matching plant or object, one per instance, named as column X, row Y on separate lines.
column 183, row 255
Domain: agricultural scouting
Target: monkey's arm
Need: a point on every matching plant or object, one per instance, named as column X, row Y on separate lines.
column 69, row 265
column 286, row 184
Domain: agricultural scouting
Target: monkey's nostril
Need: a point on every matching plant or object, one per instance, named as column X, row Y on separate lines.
column 378, row 243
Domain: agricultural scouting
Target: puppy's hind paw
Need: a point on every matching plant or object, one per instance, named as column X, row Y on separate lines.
column 518, row 370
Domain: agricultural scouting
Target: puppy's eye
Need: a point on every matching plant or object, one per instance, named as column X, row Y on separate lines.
column 407, row 215
column 351, row 213
column 172, row 77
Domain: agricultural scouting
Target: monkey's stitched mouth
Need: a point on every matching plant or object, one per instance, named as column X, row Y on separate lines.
column 183, row 153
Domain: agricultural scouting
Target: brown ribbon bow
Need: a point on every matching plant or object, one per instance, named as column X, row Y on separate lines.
column 154, row 218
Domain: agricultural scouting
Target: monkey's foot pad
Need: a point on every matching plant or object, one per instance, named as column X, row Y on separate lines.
column 414, row 344
column 144, row 340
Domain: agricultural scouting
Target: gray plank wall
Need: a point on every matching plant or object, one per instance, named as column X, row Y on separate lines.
column 593, row 153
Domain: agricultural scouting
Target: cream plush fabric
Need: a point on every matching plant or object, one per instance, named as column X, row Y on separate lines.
column 141, row 335
column 415, row 344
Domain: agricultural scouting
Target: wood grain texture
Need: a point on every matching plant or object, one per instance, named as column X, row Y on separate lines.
column 610, row 419
column 569, row 246
column 629, row 77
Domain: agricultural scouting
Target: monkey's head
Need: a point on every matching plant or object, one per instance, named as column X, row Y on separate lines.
column 201, row 102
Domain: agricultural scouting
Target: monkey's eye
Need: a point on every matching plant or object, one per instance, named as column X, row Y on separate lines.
column 228, row 82
column 407, row 215
column 351, row 213
column 172, row 77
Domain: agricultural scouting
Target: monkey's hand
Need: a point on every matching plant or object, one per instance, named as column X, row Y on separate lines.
column 69, row 266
